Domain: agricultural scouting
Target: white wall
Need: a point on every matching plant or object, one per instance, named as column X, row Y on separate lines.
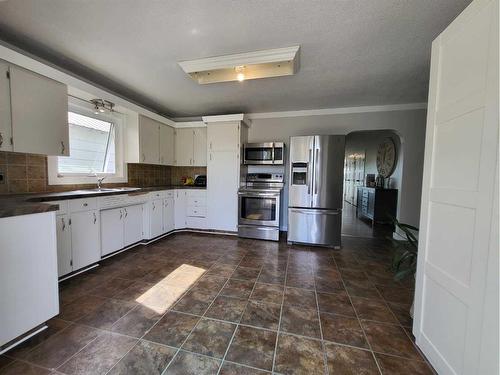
column 408, row 124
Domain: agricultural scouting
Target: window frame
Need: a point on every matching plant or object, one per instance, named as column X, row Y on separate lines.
column 84, row 108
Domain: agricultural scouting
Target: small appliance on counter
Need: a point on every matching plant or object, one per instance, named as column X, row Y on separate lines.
column 259, row 202
column 200, row 180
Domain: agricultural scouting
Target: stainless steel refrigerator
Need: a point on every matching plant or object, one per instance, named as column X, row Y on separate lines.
column 315, row 189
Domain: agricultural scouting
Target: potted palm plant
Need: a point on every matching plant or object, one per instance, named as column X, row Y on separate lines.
column 404, row 261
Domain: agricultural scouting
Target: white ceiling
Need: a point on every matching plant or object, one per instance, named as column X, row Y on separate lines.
column 353, row 52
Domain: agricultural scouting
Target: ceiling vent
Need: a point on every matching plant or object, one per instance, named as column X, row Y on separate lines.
column 243, row 66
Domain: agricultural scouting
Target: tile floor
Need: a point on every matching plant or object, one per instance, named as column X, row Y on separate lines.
column 205, row 304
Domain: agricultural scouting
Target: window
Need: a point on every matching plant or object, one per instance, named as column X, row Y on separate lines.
column 92, row 146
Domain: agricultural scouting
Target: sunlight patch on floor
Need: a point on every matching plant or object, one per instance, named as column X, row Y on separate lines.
column 167, row 291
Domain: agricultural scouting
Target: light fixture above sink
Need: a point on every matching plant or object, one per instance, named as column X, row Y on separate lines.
column 244, row 66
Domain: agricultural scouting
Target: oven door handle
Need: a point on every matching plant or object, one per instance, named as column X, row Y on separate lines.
column 245, row 194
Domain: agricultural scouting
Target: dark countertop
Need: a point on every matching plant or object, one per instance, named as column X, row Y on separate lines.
column 33, row 203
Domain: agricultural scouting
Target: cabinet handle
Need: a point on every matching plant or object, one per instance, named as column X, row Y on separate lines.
column 210, row 145
column 63, row 224
column 95, row 217
column 1, row 139
column 210, row 157
column 154, row 206
column 121, row 214
column 126, row 213
column 143, row 157
column 63, row 148
column 85, row 204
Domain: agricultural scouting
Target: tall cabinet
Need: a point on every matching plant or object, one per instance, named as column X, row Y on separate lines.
column 225, row 135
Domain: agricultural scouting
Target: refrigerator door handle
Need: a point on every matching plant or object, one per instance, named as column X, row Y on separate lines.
column 309, row 172
column 309, row 211
column 316, row 172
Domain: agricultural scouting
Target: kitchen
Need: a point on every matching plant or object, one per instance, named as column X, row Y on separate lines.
column 207, row 205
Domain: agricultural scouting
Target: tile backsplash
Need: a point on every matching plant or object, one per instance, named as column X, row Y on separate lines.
column 27, row 173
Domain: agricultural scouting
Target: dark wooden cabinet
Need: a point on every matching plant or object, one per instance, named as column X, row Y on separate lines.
column 378, row 205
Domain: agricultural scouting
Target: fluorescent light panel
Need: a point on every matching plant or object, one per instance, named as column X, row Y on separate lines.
column 243, row 66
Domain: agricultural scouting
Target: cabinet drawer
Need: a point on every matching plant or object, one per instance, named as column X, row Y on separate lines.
column 158, row 194
column 197, row 201
column 197, row 193
column 63, row 207
column 196, row 222
column 196, row 211
column 84, row 204
column 169, row 194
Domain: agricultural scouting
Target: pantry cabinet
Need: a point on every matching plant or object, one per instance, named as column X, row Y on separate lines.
column 33, row 112
column 191, row 147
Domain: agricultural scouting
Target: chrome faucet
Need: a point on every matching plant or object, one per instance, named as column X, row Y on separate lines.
column 99, row 182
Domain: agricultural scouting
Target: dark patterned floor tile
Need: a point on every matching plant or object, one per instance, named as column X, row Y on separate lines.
column 134, row 291
column 271, row 277
column 402, row 313
column 267, row 293
column 145, row 358
column 110, row 287
column 80, row 307
column 107, row 314
column 60, row 347
column 238, row 288
column 221, row 270
column 389, row 339
column 22, row 368
column 303, row 322
column 253, row 347
column 394, row 366
column 210, row 338
column 172, row 329
column 235, row 369
column 395, row 294
column 194, row 302
column 209, row 284
column 243, row 273
column 263, row 315
column 227, row 308
column 343, row 330
column 300, row 297
column 349, row 361
column 297, row 355
column 372, row 309
column 186, row 363
column 335, row 303
column 136, row 322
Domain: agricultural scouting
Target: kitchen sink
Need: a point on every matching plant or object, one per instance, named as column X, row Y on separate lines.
column 108, row 190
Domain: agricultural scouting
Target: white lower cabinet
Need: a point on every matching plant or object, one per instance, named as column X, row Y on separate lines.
column 180, row 201
column 85, row 243
column 133, row 229
column 64, row 257
column 112, row 230
column 156, row 218
column 168, row 215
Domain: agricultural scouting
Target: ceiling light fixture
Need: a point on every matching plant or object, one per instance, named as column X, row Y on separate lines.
column 244, row 66
column 101, row 106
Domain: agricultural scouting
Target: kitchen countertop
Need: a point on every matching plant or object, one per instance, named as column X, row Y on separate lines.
column 33, row 203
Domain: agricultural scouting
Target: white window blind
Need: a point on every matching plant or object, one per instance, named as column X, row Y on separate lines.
column 91, row 144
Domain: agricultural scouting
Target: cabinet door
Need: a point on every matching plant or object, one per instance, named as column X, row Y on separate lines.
column 39, row 113
column 180, row 209
column 200, row 147
column 149, row 140
column 133, row 224
column 167, row 145
column 5, row 122
column 111, row 230
column 222, row 190
column 63, row 245
column 184, row 147
column 223, row 136
column 85, row 243
column 156, row 219
column 168, row 215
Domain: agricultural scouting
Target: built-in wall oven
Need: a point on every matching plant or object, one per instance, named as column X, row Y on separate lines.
column 259, row 204
column 264, row 153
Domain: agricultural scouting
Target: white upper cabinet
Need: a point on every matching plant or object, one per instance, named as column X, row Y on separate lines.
column 184, row 144
column 191, row 147
column 224, row 136
column 39, row 114
column 200, row 147
column 167, row 140
column 5, row 121
column 149, row 140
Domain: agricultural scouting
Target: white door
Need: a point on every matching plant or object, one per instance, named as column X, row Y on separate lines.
column 223, row 136
column 222, row 190
column 167, row 145
column 156, row 218
column 200, row 147
column 5, row 123
column 184, row 147
column 63, row 245
column 180, row 209
column 133, row 230
column 149, row 139
column 112, row 230
column 168, row 215
column 85, row 243
column 459, row 218
column 39, row 113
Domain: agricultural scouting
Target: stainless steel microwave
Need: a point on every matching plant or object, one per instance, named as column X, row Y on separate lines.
column 264, row 153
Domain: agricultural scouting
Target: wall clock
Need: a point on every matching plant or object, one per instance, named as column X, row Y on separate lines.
column 386, row 157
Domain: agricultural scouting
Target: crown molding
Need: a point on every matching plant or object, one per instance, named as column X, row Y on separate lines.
column 246, row 58
column 190, row 124
column 225, row 118
column 336, row 111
